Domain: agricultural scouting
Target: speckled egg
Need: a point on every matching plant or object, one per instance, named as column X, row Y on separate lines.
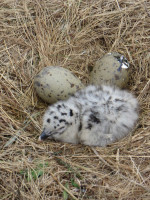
column 55, row 83
column 111, row 69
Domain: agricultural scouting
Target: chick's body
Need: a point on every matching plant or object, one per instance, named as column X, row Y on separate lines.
column 95, row 116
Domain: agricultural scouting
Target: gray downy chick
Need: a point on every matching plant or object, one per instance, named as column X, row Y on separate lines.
column 94, row 116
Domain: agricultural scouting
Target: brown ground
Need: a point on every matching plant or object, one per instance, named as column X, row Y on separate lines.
column 73, row 34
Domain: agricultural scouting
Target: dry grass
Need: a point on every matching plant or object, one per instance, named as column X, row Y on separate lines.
column 73, row 34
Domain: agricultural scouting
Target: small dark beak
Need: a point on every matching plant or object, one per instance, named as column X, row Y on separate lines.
column 43, row 136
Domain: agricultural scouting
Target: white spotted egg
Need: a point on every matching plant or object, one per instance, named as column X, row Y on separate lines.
column 54, row 83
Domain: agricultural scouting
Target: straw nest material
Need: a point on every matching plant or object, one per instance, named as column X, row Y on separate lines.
column 73, row 34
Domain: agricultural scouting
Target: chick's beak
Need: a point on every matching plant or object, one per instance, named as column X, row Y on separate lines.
column 43, row 136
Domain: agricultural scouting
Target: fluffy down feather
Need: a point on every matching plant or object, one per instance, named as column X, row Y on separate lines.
column 94, row 116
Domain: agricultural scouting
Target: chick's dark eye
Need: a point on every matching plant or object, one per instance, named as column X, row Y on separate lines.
column 48, row 120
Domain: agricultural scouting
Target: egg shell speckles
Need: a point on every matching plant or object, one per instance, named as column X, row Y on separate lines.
column 111, row 69
column 54, row 83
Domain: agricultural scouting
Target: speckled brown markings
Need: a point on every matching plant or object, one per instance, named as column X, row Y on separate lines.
column 58, row 81
column 117, row 77
column 72, row 85
column 109, row 70
column 37, row 83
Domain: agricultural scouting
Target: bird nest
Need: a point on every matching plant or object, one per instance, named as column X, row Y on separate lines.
column 72, row 34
